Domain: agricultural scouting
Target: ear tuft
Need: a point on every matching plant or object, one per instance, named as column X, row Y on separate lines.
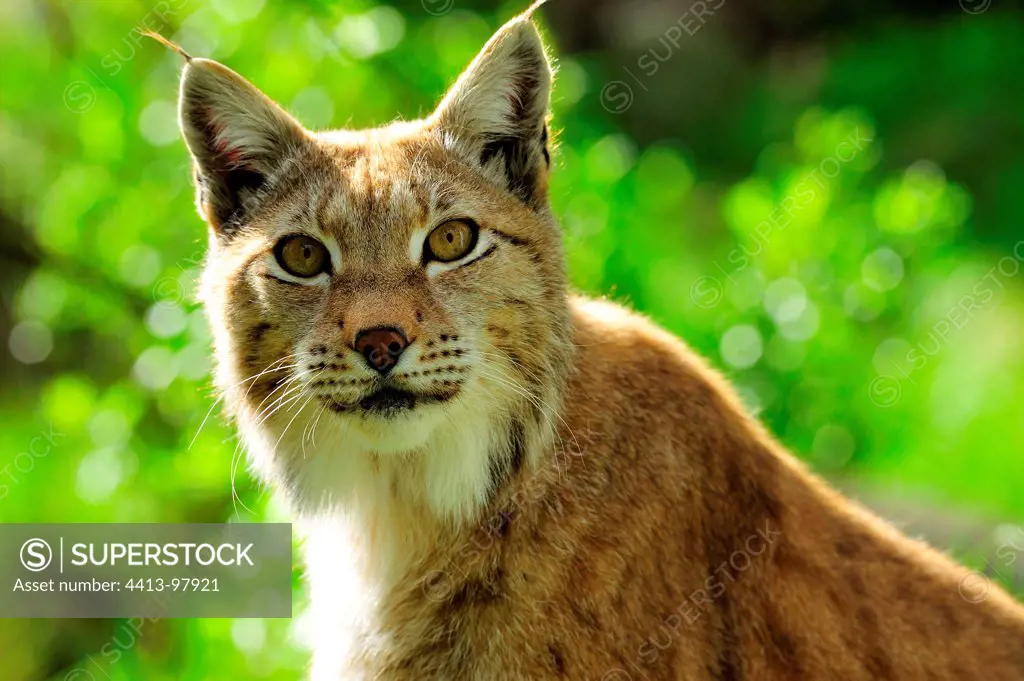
column 169, row 44
column 238, row 138
column 495, row 114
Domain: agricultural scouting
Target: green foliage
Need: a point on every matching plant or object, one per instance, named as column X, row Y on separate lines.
column 864, row 301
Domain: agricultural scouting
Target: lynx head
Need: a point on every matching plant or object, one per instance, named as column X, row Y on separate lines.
column 388, row 305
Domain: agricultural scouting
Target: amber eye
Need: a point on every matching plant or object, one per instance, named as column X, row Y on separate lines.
column 451, row 241
column 302, row 256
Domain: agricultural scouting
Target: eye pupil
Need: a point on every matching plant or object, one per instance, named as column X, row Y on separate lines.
column 302, row 256
column 451, row 241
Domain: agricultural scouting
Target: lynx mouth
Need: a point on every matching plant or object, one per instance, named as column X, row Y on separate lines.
column 387, row 402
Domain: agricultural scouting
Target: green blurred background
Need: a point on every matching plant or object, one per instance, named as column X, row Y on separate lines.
column 865, row 296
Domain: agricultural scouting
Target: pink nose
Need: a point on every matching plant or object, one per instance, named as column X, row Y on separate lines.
column 381, row 347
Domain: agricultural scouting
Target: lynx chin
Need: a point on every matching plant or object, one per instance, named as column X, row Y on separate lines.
column 496, row 479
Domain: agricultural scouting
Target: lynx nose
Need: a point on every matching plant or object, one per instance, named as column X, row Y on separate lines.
column 381, row 346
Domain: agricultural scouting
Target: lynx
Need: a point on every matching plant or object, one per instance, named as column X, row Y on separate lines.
column 495, row 478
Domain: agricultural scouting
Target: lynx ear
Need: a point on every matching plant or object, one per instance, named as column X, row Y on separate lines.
column 238, row 138
column 495, row 113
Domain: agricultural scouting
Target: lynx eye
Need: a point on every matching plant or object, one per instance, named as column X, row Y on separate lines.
column 302, row 256
column 451, row 241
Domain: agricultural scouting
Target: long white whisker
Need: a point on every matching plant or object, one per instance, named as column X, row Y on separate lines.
column 238, row 455
column 292, row 420
column 219, row 399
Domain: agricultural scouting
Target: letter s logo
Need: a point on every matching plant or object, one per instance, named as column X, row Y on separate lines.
column 36, row 555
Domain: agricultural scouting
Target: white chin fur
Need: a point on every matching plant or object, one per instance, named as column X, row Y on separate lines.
column 437, row 455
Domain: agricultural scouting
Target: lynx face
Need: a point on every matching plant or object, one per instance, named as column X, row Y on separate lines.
column 394, row 293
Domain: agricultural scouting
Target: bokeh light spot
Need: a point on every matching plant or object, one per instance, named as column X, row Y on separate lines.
column 785, row 300
column 741, row 346
column 158, row 123
column 833, row 446
column 99, row 475
column 31, row 342
column 155, row 368
column 882, row 270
